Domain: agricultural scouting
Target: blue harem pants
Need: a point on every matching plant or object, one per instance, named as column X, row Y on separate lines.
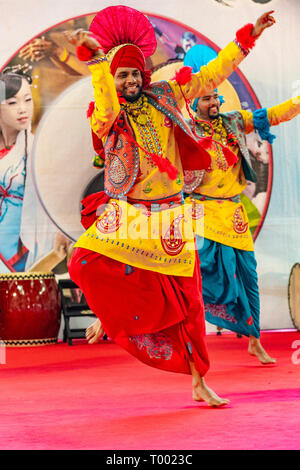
column 230, row 287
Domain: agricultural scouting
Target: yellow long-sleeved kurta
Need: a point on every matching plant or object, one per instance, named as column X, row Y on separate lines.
column 151, row 184
column 221, row 218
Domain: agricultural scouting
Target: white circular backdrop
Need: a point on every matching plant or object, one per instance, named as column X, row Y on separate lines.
column 62, row 157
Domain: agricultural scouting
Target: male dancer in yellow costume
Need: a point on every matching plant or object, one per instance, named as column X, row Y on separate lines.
column 226, row 252
column 145, row 290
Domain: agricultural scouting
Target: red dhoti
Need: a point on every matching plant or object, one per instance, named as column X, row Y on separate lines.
column 157, row 318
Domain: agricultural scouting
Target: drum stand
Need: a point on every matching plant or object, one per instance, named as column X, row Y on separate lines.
column 73, row 306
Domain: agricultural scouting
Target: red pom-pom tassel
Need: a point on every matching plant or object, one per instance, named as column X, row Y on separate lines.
column 164, row 165
column 230, row 156
column 244, row 38
column 206, row 142
column 184, row 75
column 172, row 172
column 84, row 53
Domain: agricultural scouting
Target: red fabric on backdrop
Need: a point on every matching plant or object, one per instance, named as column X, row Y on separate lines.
column 144, row 302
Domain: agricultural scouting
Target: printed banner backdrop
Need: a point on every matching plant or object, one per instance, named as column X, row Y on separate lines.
column 42, row 216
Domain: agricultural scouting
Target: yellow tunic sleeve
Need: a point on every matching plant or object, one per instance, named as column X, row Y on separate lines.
column 107, row 106
column 276, row 114
column 211, row 75
column 248, row 121
column 284, row 112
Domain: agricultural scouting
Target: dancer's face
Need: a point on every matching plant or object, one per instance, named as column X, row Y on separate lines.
column 16, row 112
column 129, row 83
column 187, row 44
column 208, row 106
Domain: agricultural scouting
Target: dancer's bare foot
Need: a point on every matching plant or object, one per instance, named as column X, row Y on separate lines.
column 94, row 332
column 255, row 349
column 201, row 392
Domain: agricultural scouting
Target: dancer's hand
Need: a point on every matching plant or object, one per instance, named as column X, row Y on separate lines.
column 264, row 21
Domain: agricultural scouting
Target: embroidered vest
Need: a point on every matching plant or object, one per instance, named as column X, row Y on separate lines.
column 234, row 123
column 122, row 155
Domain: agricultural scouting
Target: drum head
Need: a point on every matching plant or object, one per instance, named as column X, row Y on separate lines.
column 294, row 295
column 63, row 158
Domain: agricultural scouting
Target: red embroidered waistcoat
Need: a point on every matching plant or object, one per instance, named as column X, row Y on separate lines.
column 122, row 155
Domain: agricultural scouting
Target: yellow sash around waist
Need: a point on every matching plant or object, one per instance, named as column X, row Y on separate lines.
column 160, row 241
column 222, row 221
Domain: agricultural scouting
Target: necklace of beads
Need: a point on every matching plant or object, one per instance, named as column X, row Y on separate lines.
column 219, row 129
column 220, row 134
column 137, row 110
column 140, row 113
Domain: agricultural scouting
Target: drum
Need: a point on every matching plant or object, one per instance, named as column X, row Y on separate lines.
column 30, row 309
column 294, row 295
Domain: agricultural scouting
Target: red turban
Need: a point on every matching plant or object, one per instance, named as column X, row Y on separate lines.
column 128, row 56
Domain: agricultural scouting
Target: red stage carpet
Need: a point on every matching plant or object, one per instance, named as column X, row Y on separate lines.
column 99, row 397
